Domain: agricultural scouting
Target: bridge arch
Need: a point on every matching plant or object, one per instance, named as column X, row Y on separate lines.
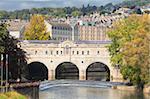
column 37, row 71
column 67, row 70
column 98, row 71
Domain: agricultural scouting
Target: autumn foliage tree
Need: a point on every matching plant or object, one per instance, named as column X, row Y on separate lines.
column 130, row 47
column 36, row 30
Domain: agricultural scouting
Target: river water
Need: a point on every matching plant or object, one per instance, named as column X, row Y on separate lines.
column 88, row 92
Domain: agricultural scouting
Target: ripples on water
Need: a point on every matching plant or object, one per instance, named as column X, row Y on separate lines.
column 68, row 92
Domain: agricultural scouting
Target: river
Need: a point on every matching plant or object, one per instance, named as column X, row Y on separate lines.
column 77, row 91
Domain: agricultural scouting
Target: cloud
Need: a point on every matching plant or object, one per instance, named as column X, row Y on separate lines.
column 24, row 4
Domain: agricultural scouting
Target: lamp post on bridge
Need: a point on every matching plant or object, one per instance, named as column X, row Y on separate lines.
column 4, row 72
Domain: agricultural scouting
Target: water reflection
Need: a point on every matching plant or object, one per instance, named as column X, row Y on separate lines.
column 67, row 92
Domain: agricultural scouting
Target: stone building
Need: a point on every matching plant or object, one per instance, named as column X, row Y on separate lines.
column 92, row 33
column 95, row 27
column 62, row 31
column 82, row 60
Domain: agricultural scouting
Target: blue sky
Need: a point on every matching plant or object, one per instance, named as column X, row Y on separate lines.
column 23, row 4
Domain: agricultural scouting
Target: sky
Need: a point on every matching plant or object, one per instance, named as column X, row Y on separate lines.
column 11, row 5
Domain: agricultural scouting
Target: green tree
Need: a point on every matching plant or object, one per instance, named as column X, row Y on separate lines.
column 76, row 13
column 130, row 47
column 9, row 46
column 36, row 30
column 3, row 34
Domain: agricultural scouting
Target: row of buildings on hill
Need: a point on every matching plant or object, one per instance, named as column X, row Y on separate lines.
column 86, row 28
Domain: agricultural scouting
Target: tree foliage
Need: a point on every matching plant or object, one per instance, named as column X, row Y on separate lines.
column 130, row 47
column 133, row 3
column 3, row 34
column 75, row 13
column 62, row 12
column 36, row 30
column 9, row 46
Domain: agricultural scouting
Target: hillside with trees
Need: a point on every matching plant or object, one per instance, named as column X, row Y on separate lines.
column 134, row 3
column 70, row 11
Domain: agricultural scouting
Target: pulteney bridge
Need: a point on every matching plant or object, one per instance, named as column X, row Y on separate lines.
column 83, row 60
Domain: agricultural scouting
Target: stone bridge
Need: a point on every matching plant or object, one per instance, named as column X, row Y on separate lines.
column 85, row 60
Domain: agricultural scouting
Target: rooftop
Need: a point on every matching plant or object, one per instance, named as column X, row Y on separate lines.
column 58, row 42
column 55, row 24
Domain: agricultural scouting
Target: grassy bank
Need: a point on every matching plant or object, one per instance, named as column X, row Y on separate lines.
column 12, row 95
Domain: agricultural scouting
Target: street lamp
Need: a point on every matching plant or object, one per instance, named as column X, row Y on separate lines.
column 1, row 63
column 2, row 72
column 6, row 72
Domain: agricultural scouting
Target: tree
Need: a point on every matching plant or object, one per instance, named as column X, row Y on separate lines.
column 75, row 13
column 9, row 46
column 3, row 33
column 130, row 47
column 36, row 30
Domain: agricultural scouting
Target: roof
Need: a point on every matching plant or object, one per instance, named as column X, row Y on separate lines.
column 16, row 25
column 55, row 24
column 58, row 42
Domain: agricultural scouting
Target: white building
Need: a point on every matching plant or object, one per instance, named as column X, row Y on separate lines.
column 62, row 31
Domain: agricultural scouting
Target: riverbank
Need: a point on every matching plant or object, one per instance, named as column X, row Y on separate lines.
column 29, row 89
column 12, row 95
column 146, row 89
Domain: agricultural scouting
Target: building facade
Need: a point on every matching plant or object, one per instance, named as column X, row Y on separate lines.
column 80, row 53
column 91, row 33
column 62, row 31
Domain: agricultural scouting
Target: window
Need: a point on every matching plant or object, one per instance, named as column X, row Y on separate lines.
column 88, row 52
column 98, row 52
column 35, row 52
column 61, row 52
column 67, row 49
column 57, row 52
column 46, row 52
column 77, row 52
column 82, row 52
column 51, row 52
column 72, row 52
